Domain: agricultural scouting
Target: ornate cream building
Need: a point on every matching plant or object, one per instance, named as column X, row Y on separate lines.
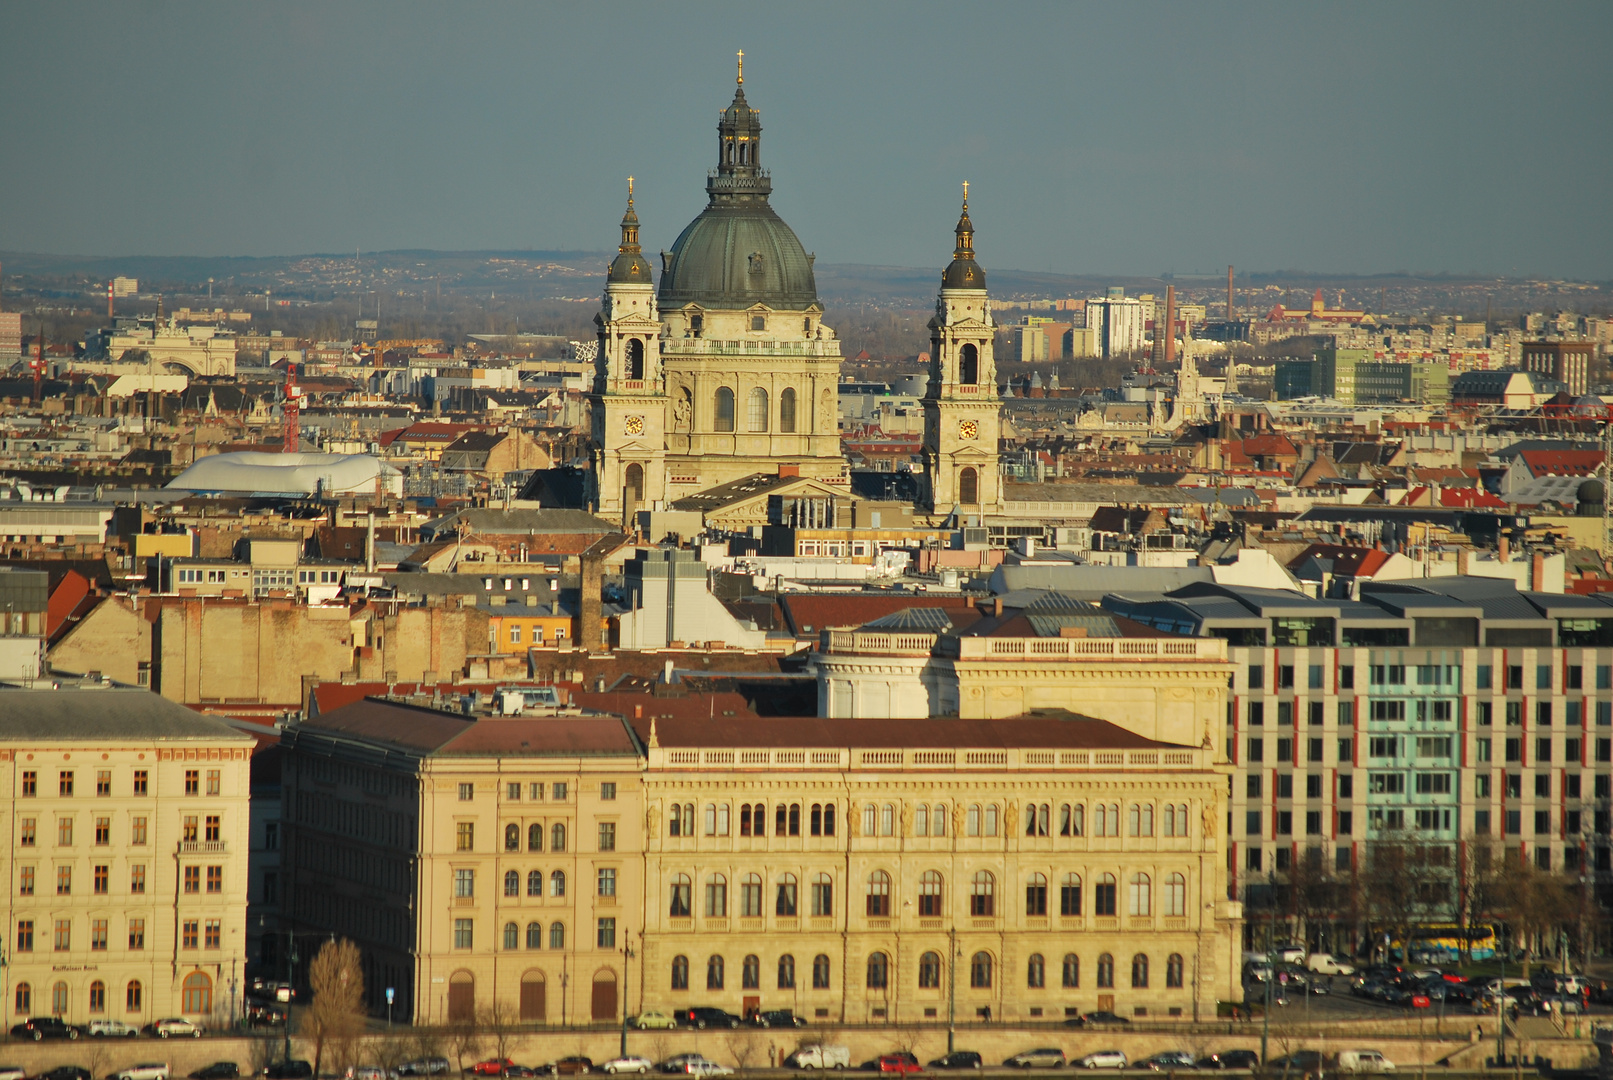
column 126, row 871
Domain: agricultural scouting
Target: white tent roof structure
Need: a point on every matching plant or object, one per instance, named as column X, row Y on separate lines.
column 251, row 473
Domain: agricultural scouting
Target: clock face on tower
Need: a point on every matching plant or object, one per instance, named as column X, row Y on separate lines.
column 634, row 425
column 968, row 429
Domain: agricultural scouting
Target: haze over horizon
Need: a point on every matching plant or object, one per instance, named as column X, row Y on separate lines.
column 1098, row 140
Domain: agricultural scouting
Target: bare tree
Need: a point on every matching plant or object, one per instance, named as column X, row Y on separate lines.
column 464, row 1040
column 499, row 1022
column 1533, row 901
column 336, row 1013
column 744, row 1044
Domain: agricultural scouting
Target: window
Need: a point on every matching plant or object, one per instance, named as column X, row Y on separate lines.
column 534, row 837
column 680, row 973
column 1255, row 749
column 132, row 996
column 756, row 410
column 785, row 902
column 968, row 365
column 26, row 832
column 25, row 881
column 879, row 894
column 1176, row 819
column 512, row 792
column 1036, row 895
column 191, row 934
column 1035, row 972
column 1070, row 895
column 465, row 836
column 982, row 894
column 878, row 971
column 560, row 791
column 534, row 883
column 1257, row 714
column 786, row 968
column 137, row 933
column 939, row 826
column 557, row 836
column 212, row 781
column 607, row 836
column 1103, row 895
column 25, row 935
column 820, row 972
column 723, row 409
column 1037, row 819
column 1173, row 971
column 467, row 792
column 968, row 486
column 930, row 971
column 750, row 896
column 870, row 820
column 534, row 935
column 512, row 936
column 1175, row 895
column 101, row 875
column 512, row 836
column 464, row 935
column 1140, row 896
column 930, row 894
column 213, row 930
column 557, row 883
column 64, row 832
column 464, row 884
column 1071, row 819
column 607, row 792
column 605, row 881
column 1139, row 972
column 557, row 935
column 605, row 933
column 980, row 971
column 714, row 973
column 716, row 896
column 25, row 999
column 1142, row 819
column 64, row 783
column 64, row 880
column 512, row 883
column 823, row 892
column 30, row 783
column 786, row 414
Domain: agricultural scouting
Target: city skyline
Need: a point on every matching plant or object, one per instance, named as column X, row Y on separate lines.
column 363, row 127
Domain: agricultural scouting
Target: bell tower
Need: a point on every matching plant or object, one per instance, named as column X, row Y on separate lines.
column 962, row 414
column 629, row 391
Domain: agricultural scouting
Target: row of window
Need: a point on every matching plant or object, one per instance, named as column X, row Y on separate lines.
column 512, row 790
column 192, row 828
column 194, row 933
column 878, row 972
column 1391, row 675
column 878, row 898
column 756, row 410
column 465, row 934
column 466, row 836
column 881, row 819
column 101, row 879
column 66, row 780
column 133, row 997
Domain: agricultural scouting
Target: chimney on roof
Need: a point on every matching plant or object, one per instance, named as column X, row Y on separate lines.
column 1537, row 573
column 591, row 609
column 1506, row 548
column 997, row 607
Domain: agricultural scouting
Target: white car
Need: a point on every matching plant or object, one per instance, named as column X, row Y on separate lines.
column 111, row 1027
column 708, row 1068
column 150, row 1070
column 170, row 1026
column 1103, row 1059
column 12, row 1072
column 629, row 1064
column 1327, row 964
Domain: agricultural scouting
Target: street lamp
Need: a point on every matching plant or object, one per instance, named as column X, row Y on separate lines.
column 952, row 992
column 627, row 954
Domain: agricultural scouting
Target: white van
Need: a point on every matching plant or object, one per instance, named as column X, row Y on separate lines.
column 1364, row 1061
column 818, row 1056
column 1327, row 964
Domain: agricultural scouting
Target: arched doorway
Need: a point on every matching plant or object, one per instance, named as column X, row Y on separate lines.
column 605, row 995
column 968, row 487
column 635, row 484
column 197, row 994
column 461, row 997
column 534, row 998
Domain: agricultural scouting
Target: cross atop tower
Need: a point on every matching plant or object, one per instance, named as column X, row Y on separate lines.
column 741, row 67
column 966, row 194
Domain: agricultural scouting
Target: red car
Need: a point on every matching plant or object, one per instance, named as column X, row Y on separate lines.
column 491, row 1067
column 899, row 1063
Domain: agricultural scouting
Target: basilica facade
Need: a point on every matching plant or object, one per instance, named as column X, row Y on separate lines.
column 725, row 369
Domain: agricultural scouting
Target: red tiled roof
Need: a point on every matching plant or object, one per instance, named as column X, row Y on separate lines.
column 1074, row 732
column 1348, row 561
column 1562, row 462
column 809, row 613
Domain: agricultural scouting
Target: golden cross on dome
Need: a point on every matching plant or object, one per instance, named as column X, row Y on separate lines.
column 629, row 191
column 966, row 194
column 741, row 67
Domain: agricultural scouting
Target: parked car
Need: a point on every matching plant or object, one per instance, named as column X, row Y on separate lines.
column 1289, row 953
column 679, row 1063
column 12, row 1072
column 293, row 1069
column 778, row 1018
column 150, row 1070
column 1094, row 1019
column 375, row 1072
column 39, row 1028
column 818, row 1056
column 704, row 1016
column 1258, row 971
column 1327, row 964
column 526, row 1072
column 958, row 1059
column 111, row 1028
column 630, row 1064
column 490, row 1067
column 423, row 1067
column 1300, row 1061
column 219, row 1070
column 651, row 1021
column 1166, row 1060
column 66, row 1072
column 1046, row 1057
column 899, row 1062
column 575, row 1065
column 708, row 1068
column 1364, row 1061
column 170, row 1026
column 1103, row 1059
column 1229, row 1059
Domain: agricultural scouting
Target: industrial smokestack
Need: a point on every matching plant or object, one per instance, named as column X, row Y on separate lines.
column 1229, row 292
column 109, row 301
column 1170, row 323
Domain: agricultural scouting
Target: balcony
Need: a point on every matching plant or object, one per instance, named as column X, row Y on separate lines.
column 204, row 847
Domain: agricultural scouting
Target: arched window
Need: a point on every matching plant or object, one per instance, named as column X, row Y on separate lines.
column 930, row 894
column 1173, row 971
column 823, row 895
column 786, row 972
column 680, row 973
column 750, row 973
column 1072, row 970
column 197, row 994
column 921, row 820
column 1036, row 819
column 97, row 996
column 1106, row 972
column 714, row 973
column 557, row 935
column 750, row 896
column 879, row 894
column 939, row 823
column 878, row 971
column 1139, row 972
column 557, row 836
column 1072, row 820
column 1175, row 895
column 723, row 410
column 25, row 999
column 795, row 819
column 930, row 971
column 58, row 998
column 512, row 838
column 756, row 410
column 968, row 486
column 887, row 820
column 534, row 883
column 512, row 936
column 820, row 972
column 781, row 821
column 983, row 894
column 1036, row 895
column 1070, row 895
column 635, row 483
column 980, row 971
column 716, row 896
column 785, row 902
column 635, row 358
column 972, row 820
column 968, row 365
column 1108, row 819
column 1142, row 819
column 512, row 883
column 786, row 410
column 534, row 837
column 744, row 819
column 534, row 935
column 1036, row 972
column 557, row 883
column 870, row 820
column 1103, row 895
column 828, row 819
column 132, row 996
column 1141, row 895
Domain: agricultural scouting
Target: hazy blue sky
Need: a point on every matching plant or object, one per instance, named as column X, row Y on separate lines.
column 1098, row 138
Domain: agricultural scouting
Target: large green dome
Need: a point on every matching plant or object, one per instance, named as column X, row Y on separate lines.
column 738, row 252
